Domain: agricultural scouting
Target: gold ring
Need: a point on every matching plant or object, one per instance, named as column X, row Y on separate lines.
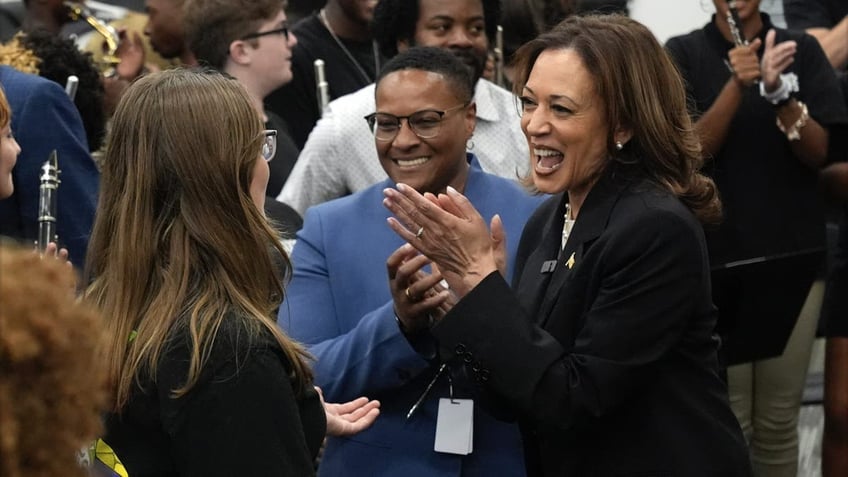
column 408, row 296
column 420, row 232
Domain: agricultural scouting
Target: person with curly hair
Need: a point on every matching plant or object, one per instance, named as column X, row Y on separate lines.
column 44, row 54
column 52, row 386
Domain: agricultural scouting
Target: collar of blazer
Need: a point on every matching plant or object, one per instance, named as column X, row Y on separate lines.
column 593, row 219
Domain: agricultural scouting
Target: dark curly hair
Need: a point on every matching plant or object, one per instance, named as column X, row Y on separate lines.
column 61, row 58
column 394, row 20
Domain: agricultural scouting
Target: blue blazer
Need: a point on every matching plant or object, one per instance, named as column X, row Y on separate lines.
column 339, row 304
column 43, row 119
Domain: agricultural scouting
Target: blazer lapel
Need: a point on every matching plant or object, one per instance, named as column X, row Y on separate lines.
column 591, row 222
column 541, row 264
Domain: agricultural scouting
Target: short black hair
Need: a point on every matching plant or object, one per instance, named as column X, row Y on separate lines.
column 394, row 20
column 61, row 58
column 434, row 60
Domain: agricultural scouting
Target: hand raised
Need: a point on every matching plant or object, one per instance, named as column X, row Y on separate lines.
column 776, row 58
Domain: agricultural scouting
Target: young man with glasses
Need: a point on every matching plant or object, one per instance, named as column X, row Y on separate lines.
column 339, row 158
column 251, row 41
column 371, row 332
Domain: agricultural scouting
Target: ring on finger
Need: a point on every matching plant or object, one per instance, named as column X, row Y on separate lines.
column 420, row 232
column 409, row 295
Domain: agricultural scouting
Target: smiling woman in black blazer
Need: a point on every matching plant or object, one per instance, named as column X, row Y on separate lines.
column 604, row 347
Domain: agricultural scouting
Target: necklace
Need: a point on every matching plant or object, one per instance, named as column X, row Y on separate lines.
column 365, row 75
column 567, row 225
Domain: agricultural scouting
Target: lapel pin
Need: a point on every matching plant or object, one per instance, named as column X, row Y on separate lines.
column 570, row 262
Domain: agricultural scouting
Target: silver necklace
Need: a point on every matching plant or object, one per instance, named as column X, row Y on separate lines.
column 347, row 52
column 567, row 225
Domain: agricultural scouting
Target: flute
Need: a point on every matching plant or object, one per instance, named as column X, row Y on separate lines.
column 71, row 86
column 47, row 201
column 734, row 23
column 321, row 86
column 499, row 57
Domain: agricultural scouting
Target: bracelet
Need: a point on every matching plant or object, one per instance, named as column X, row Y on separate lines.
column 778, row 97
column 793, row 133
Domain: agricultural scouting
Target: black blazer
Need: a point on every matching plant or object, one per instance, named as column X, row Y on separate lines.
column 609, row 362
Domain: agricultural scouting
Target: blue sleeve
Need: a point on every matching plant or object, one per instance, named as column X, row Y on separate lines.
column 355, row 355
column 44, row 121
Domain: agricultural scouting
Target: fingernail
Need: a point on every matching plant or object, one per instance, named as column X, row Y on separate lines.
column 401, row 186
column 452, row 190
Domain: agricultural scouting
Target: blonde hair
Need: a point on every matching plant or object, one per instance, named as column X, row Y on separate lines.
column 52, row 386
column 177, row 240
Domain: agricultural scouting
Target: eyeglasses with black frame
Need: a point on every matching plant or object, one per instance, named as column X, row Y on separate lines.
column 269, row 144
column 425, row 123
column 283, row 29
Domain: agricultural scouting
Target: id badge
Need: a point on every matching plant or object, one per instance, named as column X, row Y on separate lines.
column 455, row 426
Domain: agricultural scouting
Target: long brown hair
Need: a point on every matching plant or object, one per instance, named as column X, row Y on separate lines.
column 177, row 239
column 643, row 91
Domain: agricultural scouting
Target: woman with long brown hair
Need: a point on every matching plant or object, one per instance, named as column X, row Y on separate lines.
column 188, row 273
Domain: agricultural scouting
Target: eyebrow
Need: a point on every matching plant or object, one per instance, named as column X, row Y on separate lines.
column 556, row 96
column 452, row 19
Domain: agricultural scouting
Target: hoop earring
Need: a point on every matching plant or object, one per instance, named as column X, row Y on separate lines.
column 618, row 145
column 469, row 145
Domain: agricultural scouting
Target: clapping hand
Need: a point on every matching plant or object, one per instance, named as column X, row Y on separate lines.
column 776, row 58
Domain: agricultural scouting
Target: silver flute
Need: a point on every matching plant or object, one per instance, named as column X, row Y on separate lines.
column 321, row 86
column 48, row 191
column 499, row 57
column 71, row 86
column 734, row 23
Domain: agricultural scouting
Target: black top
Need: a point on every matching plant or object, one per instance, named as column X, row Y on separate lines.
column 804, row 14
column 285, row 157
column 609, row 359
column 241, row 418
column 771, row 202
column 297, row 101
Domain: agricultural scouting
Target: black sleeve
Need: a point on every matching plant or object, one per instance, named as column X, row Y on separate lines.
column 804, row 14
column 818, row 84
column 677, row 50
column 241, row 419
column 297, row 101
column 652, row 280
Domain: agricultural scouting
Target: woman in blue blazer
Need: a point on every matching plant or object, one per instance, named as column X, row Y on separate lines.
column 354, row 298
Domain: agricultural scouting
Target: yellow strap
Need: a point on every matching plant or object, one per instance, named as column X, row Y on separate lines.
column 103, row 453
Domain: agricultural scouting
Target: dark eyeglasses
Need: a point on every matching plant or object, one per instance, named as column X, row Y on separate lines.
column 284, row 30
column 425, row 124
column 269, row 144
